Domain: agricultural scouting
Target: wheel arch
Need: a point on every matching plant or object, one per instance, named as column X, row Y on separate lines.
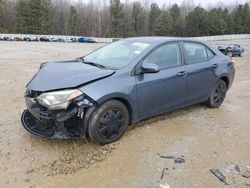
column 225, row 79
column 128, row 105
column 121, row 99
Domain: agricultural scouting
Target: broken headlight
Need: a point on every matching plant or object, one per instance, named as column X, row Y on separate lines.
column 58, row 99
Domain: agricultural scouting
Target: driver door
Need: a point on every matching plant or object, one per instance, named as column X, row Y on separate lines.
column 165, row 90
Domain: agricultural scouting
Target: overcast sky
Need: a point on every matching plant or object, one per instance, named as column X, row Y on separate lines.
column 203, row 3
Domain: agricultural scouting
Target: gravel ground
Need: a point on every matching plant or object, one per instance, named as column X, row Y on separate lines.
column 145, row 157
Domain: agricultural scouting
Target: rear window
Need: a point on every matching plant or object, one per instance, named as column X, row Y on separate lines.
column 210, row 54
column 196, row 53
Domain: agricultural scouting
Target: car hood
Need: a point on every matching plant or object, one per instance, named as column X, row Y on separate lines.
column 65, row 74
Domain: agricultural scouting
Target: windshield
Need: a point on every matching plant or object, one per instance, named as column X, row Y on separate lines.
column 117, row 55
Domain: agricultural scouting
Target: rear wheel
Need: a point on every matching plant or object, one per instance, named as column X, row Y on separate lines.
column 229, row 53
column 218, row 95
column 109, row 122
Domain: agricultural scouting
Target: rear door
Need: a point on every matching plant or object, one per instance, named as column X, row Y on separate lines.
column 165, row 90
column 201, row 64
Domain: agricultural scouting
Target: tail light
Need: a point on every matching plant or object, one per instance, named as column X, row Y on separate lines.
column 231, row 63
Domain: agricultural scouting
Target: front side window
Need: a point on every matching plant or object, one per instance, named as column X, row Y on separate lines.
column 118, row 54
column 196, row 53
column 166, row 56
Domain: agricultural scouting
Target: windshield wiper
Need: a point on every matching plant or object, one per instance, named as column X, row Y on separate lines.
column 93, row 64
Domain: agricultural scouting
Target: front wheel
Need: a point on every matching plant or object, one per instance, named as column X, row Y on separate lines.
column 109, row 122
column 218, row 95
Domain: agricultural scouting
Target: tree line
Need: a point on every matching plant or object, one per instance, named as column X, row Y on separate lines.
column 103, row 18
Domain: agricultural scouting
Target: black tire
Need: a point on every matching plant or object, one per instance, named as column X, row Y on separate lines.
column 239, row 54
column 229, row 53
column 108, row 123
column 218, row 95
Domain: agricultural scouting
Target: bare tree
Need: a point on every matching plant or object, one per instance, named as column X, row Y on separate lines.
column 118, row 18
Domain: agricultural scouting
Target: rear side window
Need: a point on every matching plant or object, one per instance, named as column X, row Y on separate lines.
column 210, row 54
column 166, row 56
column 196, row 53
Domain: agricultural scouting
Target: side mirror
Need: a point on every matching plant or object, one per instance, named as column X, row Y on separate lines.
column 149, row 68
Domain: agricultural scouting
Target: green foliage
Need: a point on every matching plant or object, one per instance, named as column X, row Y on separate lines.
column 22, row 15
column 34, row 16
column 73, row 21
column 241, row 19
column 117, row 15
column 216, row 21
column 1, row 8
column 165, row 24
column 197, row 22
column 47, row 14
column 177, row 21
column 154, row 15
column 138, row 16
column 228, row 18
column 238, row 19
column 1, row 15
column 246, row 23
column 61, row 17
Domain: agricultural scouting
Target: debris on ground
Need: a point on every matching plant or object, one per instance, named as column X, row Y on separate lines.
column 245, row 174
column 164, row 186
column 176, row 159
column 179, row 159
column 71, row 161
column 219, row 175
column 237, row 168
column 163, row 172
column 167, row 157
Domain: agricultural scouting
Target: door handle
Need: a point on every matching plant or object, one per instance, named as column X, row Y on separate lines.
column 215, row 65
column 182, row 74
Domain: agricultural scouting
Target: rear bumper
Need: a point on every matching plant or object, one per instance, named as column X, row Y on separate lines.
column 63, row 124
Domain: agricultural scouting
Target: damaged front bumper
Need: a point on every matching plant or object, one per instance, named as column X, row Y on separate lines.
column 58, row 124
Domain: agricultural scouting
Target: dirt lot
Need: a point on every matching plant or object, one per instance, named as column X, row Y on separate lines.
column 207, row 138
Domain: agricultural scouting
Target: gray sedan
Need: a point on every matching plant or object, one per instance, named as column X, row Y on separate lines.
column 97, row 96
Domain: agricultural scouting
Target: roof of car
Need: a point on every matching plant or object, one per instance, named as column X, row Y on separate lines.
column 156, row 39
column 149, row 39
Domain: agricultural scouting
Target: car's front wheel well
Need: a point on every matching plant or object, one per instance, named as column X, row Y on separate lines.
column 127, row 104
column 226, row 80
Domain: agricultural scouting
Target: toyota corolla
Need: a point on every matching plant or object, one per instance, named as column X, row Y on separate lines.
column 97, row 96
